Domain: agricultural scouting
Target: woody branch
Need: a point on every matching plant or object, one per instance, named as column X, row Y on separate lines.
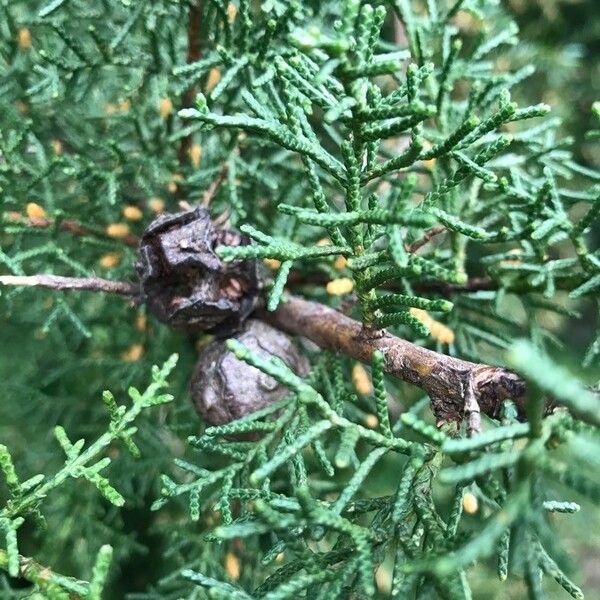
column 457, row 388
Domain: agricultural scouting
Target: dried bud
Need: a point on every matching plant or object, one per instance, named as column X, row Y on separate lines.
column 185, row 284
column 224, row 388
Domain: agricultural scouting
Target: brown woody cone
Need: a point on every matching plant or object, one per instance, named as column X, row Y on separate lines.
column 185, row 284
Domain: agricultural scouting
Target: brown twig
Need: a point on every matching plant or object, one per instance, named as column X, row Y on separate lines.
column 480, row 284
column 427, row 236
column 457, row 388
column 194, row 53
column 76, row 228
column 213, row 188
column 475, row 284
column 56, row 282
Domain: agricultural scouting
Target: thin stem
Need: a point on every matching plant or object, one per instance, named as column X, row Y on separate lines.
column 213, row 188
column 56, row 282
column 474, row 284
column 427, row 236
column 194, row 53
column 75, row 228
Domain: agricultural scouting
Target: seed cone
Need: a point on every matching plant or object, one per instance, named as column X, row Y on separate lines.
column 185, row 284
column 224, row 388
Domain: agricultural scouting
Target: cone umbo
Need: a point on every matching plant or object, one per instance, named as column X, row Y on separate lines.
column 185, row 284
column 224, row 388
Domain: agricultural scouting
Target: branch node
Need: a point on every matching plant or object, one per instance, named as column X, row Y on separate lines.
column 472, row 409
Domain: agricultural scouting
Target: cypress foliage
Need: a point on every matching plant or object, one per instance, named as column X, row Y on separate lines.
column 377, row 157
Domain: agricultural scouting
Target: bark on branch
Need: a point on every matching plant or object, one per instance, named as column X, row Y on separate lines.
column 457, row 388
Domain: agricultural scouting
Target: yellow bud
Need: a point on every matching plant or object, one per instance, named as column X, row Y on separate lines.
column 438, row 331
column 232, row 566
column 22, row 106
column 231, row 12
column 133, row 213
column 429, row 164
column 441, row 333
column 339, row 287
column 272, row 263
column 371, row 421
column 157, row 205
column 35, row 211
column 110, row 260
column 422, row 315
column 383, row 579
column 133, row 354
column 24, row 38
column 117, row 230
column 280, row 557
column 57, row 146
column 165, row 107
column 141, row 322
column 340, row 263
column 323, row 242
column 466, row 21
column 214, row 76
column 172, row 185
column 115, row 108
column 361, row 380
column 196, row 154
column 470, row 503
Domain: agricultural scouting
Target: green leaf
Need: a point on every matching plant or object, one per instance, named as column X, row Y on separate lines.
column 555, row 380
